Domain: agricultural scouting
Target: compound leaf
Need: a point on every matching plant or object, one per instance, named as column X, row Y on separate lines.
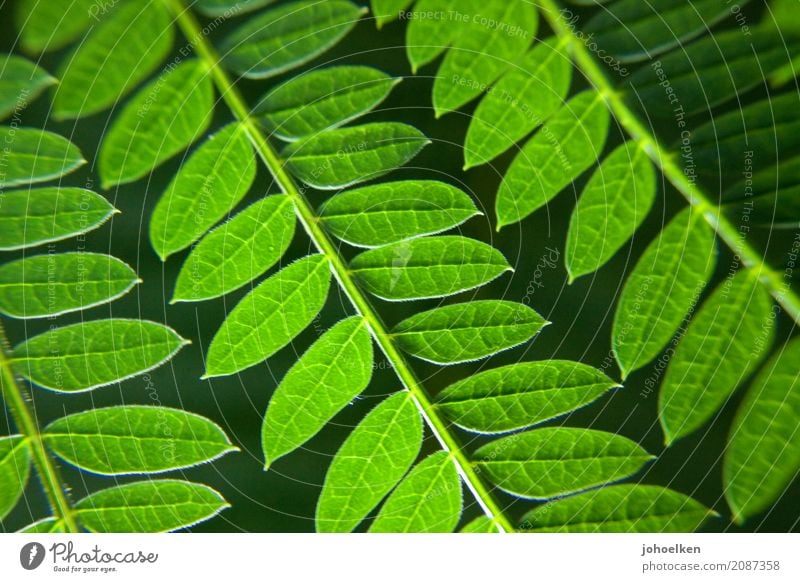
column 33, row 156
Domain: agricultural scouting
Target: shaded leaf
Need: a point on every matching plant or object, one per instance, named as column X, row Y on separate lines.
column 369, row 464
column 229, row 8
column 164, row 118
column 521, row 395
column 51, row 25
column 89, row 355
column 344, row 157
column 769, row 197
column 21, row 81
column 270, row 316
column 387, row 10
column 207, row 187
column 33, row 156
column 54, row 284
column 550, row 462
column 568, row 143
column 467, row 331
column 149, row 507
column 428, row 500
column 239, row 251
column 382, row 214
column 335, row 370
column 15, row 468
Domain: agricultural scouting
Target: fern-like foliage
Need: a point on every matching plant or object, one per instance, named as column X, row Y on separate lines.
column 673, row 74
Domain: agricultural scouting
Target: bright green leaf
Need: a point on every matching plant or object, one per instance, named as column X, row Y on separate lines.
column 369, row 464
column 88, row 355
column 433, row 25
column 47, row 525
column 480, row 524
column 335, row 370
column 53, row 284
column 467, row 331
column 428, row 500
column 344, row 157
column 21, row 81
column 387, row 10
column 15, row 467
column 239, row 251
column 521, row 395
column 270, row 316
column 51, row 25
column 32, row 156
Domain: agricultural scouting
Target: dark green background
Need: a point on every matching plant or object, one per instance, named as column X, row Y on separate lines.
column 284, row 499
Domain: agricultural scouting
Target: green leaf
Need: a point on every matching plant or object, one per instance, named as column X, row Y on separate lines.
column 771, row 196
column 21, row 82
column 207, row 187
column 369, row 464
column 764, row 454
column 550, row 462
column 123, row 440
column 424, row 268
column 32, row 156
column 229, row 8
column 15, row 468
column 467, row 331
column 570, row 142
column 239, row 251
column 710, row 72
column 269, row 317
column 523, row 99
column 723, row 345
column 433, row 26
column 344, row 157
column 480, row 524
column 632, row 30
column 149, row 507
column 47, row 525
column 428, row 500
column 614, row 203
column 323, row 99
column 41, row 215
column 382, row 214
column 54, row 284
column 164, row 118
column 335, row 370
column 497, row 35
column 51, row 25
column 287, row 36
column 620, row 509
column 387, row 10
column 89, row 355
column 117, row 54
column 521, row 395
column 664, row 286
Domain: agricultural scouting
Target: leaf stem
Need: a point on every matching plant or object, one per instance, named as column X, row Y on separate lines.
column 325, row 245
column 15, row 398
column 771, row 279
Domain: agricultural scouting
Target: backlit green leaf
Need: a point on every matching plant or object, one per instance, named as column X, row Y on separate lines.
column 207, row 187
column 323, row 99
column 136, row 439
column 15, row 467
column 428, row 267
column 369, row 464
column 270, row 316
column 619, row 509
column 163, row 119
column 428, row 500
column 335, row 370
column 89, row 355
column 550, row 462
column 47, row 525
column 764, row 453
column 521, row 395
column 229, row 8
column 48, row 26
column 53, row 284
column 21, row 81
column 467, row 331
column 239, row 251
column 382, row 214
column 524, row 98
column 149, row 507
column 287, row 36
column 664, row 286
column 570, row 142
column 614, row 203
column 433, row 25
column 344, row 157
column 480, row 524
column 723, row 345
column 40, row 215
column 32, row 156
column 119, row 53
column 387, row 10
